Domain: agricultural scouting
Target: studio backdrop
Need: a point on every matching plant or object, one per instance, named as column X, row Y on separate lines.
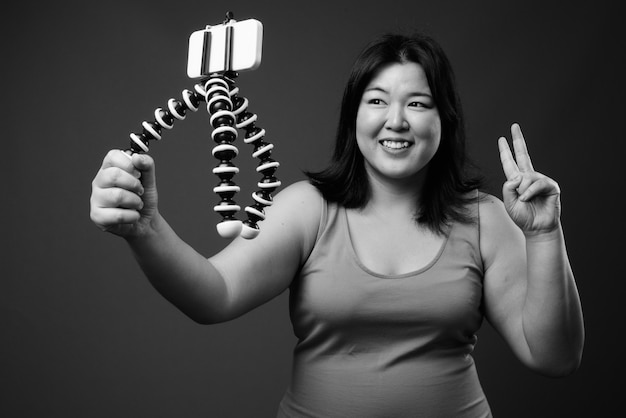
column 83, row 334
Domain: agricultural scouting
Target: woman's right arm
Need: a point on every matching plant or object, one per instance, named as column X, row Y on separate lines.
column 244, row 275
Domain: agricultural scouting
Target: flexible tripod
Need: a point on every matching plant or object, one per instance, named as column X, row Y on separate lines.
column 228, row 113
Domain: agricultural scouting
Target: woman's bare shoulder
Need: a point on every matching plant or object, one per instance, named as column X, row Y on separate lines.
column 301, row 195
column 489, row 202
column 300, row 205
column 303, row 189
column 498, row 232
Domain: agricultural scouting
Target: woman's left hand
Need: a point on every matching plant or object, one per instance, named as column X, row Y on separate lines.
column 531, row 198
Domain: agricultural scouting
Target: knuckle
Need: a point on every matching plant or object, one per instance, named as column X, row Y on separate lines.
column 93, row 215
column 98, row 218
column 116, row 197
column 552, row 184
column 99, row 179
column 115, row 174
column 95, row 200
column 109, row 157
column 119, row 217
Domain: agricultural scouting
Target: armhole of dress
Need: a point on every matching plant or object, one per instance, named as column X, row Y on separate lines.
column 480, row 253
column 323, row 220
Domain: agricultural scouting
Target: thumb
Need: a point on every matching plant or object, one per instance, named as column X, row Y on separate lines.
column 145, row 164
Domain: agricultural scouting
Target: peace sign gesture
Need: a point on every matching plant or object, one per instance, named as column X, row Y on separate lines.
column 530, row 198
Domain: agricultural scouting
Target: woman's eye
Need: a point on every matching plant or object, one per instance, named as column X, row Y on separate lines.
column 420, row 105
column 375, row 101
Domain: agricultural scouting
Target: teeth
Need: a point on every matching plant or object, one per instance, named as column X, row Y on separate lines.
column 395, row 144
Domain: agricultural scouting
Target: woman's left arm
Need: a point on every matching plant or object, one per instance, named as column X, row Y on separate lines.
column 530, row 292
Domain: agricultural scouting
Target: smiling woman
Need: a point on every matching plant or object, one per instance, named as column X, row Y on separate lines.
column 398, row 127
column 430, row 107
column 392, row 256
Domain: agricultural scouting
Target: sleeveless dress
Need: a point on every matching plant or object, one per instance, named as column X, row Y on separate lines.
column 371, row 345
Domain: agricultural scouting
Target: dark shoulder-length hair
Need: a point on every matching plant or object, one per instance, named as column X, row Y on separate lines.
column 446, row 190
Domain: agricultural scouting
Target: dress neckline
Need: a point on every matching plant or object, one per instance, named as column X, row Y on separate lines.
column 362, row 266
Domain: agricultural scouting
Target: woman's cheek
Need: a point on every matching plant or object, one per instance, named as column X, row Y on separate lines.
column 429, row 129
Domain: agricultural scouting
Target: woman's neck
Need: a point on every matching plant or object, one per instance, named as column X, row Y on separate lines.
column 395, row 197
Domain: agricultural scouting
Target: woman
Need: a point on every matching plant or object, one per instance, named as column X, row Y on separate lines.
column 391, row 255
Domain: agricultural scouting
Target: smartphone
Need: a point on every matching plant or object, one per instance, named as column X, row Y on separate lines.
column 232, row 46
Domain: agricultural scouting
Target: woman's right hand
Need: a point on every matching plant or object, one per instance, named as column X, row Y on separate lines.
column 123, row 194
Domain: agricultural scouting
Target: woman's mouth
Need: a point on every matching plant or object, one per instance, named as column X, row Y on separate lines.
column 395, row 144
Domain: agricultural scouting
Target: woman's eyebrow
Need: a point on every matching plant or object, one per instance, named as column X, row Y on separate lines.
column 420, row 94
column 411, row 94
column 376, row 88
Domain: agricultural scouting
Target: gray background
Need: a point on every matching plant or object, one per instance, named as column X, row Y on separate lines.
column 82, row 333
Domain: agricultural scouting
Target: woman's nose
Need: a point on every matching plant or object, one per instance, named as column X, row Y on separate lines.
column 396, row 119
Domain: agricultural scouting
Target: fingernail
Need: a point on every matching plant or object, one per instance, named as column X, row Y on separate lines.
column 136, row 173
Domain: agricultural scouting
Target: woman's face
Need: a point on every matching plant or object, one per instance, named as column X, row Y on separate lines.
column 398, row 128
